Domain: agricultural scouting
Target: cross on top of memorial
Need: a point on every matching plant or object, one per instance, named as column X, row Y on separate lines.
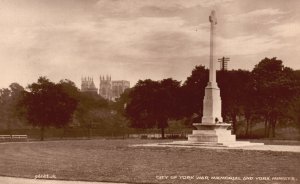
column 212, row 17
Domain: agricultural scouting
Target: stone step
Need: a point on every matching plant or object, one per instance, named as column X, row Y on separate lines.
column 194, row 145
column 241, row 144
column 211, row 144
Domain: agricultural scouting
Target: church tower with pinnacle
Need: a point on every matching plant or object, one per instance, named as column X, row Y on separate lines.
column 105, row 89
column 88, row 85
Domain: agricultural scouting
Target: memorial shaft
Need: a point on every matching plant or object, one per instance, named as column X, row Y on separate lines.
column 212, row 65
column 212, row 100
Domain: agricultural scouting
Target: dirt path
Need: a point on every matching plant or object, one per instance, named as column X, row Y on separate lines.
column 276, row 148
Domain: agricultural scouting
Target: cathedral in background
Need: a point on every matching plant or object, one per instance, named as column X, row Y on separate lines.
column 108, row 89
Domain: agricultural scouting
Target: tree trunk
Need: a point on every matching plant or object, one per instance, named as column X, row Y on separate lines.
column 42, row 133
column 90, row 129
column 9, row 127
column 273, row 128
column 89, row 132
column 266, row 126
column 250, row 129
column 162, row 133
column 270, row 128
column 247, row 128
column 63, row 133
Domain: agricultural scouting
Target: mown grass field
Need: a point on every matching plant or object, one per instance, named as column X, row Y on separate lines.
column 113, row 160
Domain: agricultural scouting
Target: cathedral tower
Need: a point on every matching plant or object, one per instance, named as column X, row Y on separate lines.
column 105, row 87
column 87, row 85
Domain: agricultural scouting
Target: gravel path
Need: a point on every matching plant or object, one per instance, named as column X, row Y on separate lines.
column 277, row 148
column 274, row 148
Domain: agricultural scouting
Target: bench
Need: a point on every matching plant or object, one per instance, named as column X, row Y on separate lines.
column 5, row 138
column 13, row 138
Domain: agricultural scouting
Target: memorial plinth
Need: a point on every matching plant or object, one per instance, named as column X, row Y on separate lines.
column 214, row 133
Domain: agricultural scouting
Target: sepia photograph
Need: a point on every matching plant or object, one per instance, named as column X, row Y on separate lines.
column 149, row 91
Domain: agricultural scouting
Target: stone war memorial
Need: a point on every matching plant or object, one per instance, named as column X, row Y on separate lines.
column 212, row 131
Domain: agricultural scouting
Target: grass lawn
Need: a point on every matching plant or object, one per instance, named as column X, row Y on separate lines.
column 113, row 160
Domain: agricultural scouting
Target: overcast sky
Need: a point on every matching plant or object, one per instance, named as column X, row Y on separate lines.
column 140, row 39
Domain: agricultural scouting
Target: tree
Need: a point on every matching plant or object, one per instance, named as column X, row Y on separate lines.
column 294, row 111
column 120, row 104
column 153, row 103
column 9, row 107
column 90, row 109
column 167, row 109
column 47, row 104
column 294, row 108
column 192, row 94
column 71, row 90
column 250, row 107
column 235, row 86
column 275, row 87
column 5, row 106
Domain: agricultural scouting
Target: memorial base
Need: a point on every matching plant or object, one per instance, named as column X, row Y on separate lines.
column 212, row 135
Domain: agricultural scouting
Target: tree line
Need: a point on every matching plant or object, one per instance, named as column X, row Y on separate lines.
column 269, row 94
column 47, row 104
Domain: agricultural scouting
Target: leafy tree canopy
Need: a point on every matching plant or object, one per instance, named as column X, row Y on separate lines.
column 153, row 103
column 48, row 104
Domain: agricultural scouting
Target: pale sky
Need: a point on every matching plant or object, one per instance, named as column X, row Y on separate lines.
column 140, row 39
